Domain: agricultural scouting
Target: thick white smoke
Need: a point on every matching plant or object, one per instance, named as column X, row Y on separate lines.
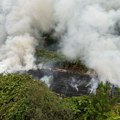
column 21, row 25
column 92, row 35
column 89, row 31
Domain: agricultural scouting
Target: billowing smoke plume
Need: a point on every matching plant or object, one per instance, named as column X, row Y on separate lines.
column 88, row 30
column 91, row 32
column 21, row 25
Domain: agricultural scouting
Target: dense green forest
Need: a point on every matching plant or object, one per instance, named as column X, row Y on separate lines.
column 23, row 98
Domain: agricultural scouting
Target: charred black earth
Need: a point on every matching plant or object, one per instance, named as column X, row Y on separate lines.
column 64, row 82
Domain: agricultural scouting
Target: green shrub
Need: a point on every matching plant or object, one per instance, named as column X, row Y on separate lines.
column 96, row 107
column 13, row 102
column 22, row 98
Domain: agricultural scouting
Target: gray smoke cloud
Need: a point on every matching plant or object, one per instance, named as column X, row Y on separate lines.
column 21, row 25
column 89, row 31
column 92, row 35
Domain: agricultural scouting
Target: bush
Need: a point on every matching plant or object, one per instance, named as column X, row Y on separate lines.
column 96, row 107
column 23, row 98
column 13, row 102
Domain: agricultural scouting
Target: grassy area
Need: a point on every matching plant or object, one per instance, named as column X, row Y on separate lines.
column 23, row 98
column 49, row 55
column 59, row 60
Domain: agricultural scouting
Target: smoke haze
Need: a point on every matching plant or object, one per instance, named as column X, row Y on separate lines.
column 21, row 25
column 88, row 30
